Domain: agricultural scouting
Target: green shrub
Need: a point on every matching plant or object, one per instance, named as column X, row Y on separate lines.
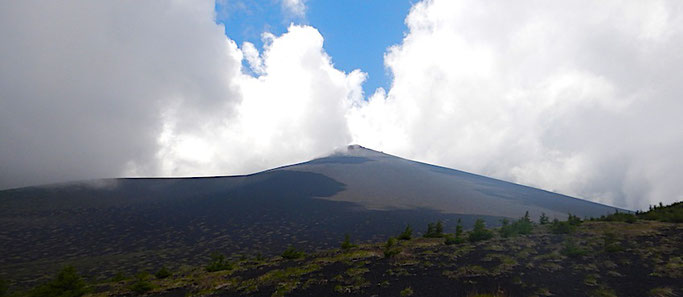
column 619, row 217
column 390, row 248
column 560, row 227
column 218, row 262
column 346, row 244
column 162, row 273
column 141, row 283
column 543, row 220
column 521, row 226
column 573, row 220
column 292, row 253
column 458, row 229
column 67, row 283
column 407, row 292
column 451, row 239
column 672, row 213
column 407, row 234
column 480, row 232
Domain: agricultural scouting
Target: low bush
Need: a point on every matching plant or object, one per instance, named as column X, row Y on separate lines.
column 407, row 234
column 561, row 227
column 218, row 262
column 67, row 283
column 672, row 213
column 162, row 273
column 292, row 253
column 480, row 232
column 390, row 248
column 619, row 217
column 141, row 283
column 452, row 239
column 543, row 220
column 407, row 292
column 347, row 244
column 521, row 226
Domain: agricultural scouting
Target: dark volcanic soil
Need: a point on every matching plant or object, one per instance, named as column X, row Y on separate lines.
column 608, row 259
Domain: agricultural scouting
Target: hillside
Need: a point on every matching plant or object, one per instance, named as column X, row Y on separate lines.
column 596, row 259
column 124, row 225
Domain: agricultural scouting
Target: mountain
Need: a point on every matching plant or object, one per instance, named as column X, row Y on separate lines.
column 114, row 225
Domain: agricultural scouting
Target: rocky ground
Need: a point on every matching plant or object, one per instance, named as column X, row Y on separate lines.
column 597, row 259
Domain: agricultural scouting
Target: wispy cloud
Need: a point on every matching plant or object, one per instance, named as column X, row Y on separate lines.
column 296, row 8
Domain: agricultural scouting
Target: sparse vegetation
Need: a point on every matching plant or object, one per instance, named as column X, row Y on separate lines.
column 390, row 248
column 662, row 292
column 218, row 263
column 292, row 253
column 561, row 227
column 162, row 273
column 618, row 217
column 407, row 292
column 610, row 243
column 572, row 250
column 543, row 220
column 672, row 213
column 67, row 283
column 141, row 283
column 598, row 256
column 347, row 244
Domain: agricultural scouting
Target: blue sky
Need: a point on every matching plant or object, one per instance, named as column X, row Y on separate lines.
column 356, row 32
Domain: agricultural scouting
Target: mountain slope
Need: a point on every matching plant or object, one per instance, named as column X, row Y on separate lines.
column 107, row 226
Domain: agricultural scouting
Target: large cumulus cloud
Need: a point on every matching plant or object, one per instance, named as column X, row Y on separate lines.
column 83, row 84
column 580, row 97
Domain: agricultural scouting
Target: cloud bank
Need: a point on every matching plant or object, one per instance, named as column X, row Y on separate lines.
column 577, row 97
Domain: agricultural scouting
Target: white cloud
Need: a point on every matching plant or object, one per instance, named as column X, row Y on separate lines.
column 575, row 96
column 294, row 110
column 580, row 97
column 296, row 8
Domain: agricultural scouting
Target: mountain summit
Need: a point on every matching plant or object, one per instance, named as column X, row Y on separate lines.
column 132, row 223
column 379, row 181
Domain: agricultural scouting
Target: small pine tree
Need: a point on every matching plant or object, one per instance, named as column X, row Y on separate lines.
column 505, row 229
column 346, row 244
column 390, row 248
column 430, row 230
column 458, row 229
column 480, row 232
column 544, row 219
column 573, row 220
column 438, row 230
column 407, row 234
